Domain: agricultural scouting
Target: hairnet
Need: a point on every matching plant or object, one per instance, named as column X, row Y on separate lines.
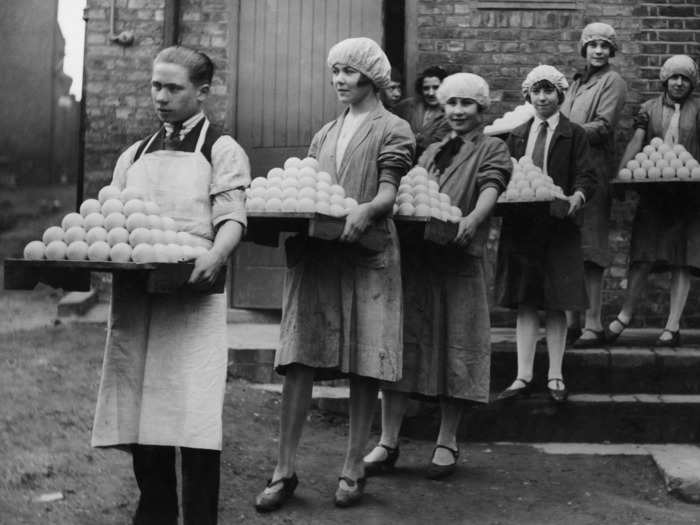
column 598, row 31
column 365, row 55
column 464, row 85
column 680, row 65
column 548, row 73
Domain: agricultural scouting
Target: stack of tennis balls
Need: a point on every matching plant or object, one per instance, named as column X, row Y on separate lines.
column 511, row 119
column 118, row 226
column 528, row 183
column 661, row 161
column 298, row 187
column 419, row 196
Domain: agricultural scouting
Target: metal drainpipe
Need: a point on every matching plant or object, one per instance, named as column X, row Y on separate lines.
column 171, row 23
column 83, row 119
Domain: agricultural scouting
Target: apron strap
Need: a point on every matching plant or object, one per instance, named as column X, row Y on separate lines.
column 202, row 136
column 148, row 145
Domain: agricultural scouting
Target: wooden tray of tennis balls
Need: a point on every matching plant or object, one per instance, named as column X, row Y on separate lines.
column 265, row 227
column 414, row 229
column 23, row 274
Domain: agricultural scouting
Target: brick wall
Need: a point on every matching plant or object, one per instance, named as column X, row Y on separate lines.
column 503, row 45
column 118, row 105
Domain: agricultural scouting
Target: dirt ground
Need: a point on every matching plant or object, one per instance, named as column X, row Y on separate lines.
column 48, row 383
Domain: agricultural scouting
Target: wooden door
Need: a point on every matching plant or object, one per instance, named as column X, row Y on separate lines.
column 283, row 96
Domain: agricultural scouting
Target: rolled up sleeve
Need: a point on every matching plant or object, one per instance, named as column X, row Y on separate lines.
column 230, row 178
column 396, row 155
column 496, row 167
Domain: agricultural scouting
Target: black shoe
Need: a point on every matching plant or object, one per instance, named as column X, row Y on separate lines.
column 352, row 496
column 265, row 502
column 673, row 342
column 373, row 468
column 436, row 471
column 610, row 336
column 557, row 395
column 572, row 334
column 590, row 342
column 516, row 393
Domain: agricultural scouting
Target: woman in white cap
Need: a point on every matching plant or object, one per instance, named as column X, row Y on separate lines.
column 540, row 261
column 447, row 345
column 667, row 222
column 595, row 101
column 341, row 314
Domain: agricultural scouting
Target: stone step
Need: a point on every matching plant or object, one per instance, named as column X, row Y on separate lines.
column 615, row 370
column 592, row 418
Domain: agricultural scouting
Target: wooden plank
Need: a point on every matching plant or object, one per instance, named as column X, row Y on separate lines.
column 321, row 88
column 267, row 99
column 293, row 73
column 282, row 103
column 635, row 184
column 247, row 129
column 411, row 45
column 332, row 37
column 425, row 229
column 233, row 46
column 306, row 77
column 22, row 274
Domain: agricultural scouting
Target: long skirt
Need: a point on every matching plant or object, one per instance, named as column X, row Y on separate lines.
column 341, row 311
column 447, row 343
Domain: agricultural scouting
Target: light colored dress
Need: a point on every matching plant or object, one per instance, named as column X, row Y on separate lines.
column 341, row 311
column 164, row 369
column 447, row 341
column 595, row 101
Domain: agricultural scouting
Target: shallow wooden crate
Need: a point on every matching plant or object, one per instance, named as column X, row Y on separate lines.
column 413, row 229
column 265, row 228
column 21, row 274
column 558, row 207
column 637, row 184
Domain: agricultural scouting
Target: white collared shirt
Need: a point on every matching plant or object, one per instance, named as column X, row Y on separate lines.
column 187, row 125
column 552, row 123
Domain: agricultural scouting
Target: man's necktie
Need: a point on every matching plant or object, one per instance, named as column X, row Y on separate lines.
column 538, row 150
column 673, row 131
column 172, row 139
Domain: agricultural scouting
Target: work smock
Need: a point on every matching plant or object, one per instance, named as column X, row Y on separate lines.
column 447, row 340
column 666, row 227
column 341, row 310
column 164, row 370
column 595, row 101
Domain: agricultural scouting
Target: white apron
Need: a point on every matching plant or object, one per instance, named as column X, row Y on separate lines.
column 164, row 371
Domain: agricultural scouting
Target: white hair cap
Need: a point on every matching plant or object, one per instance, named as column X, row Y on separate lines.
column 464, row 85
column 365, row 55
column 680, row 65
column 548, row 73
column 598, row 31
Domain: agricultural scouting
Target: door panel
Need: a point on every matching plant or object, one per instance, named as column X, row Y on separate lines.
column 283, row 97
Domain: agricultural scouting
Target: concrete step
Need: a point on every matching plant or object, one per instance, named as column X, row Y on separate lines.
column 609, row 370
column 591, row 418
column 602, row 370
